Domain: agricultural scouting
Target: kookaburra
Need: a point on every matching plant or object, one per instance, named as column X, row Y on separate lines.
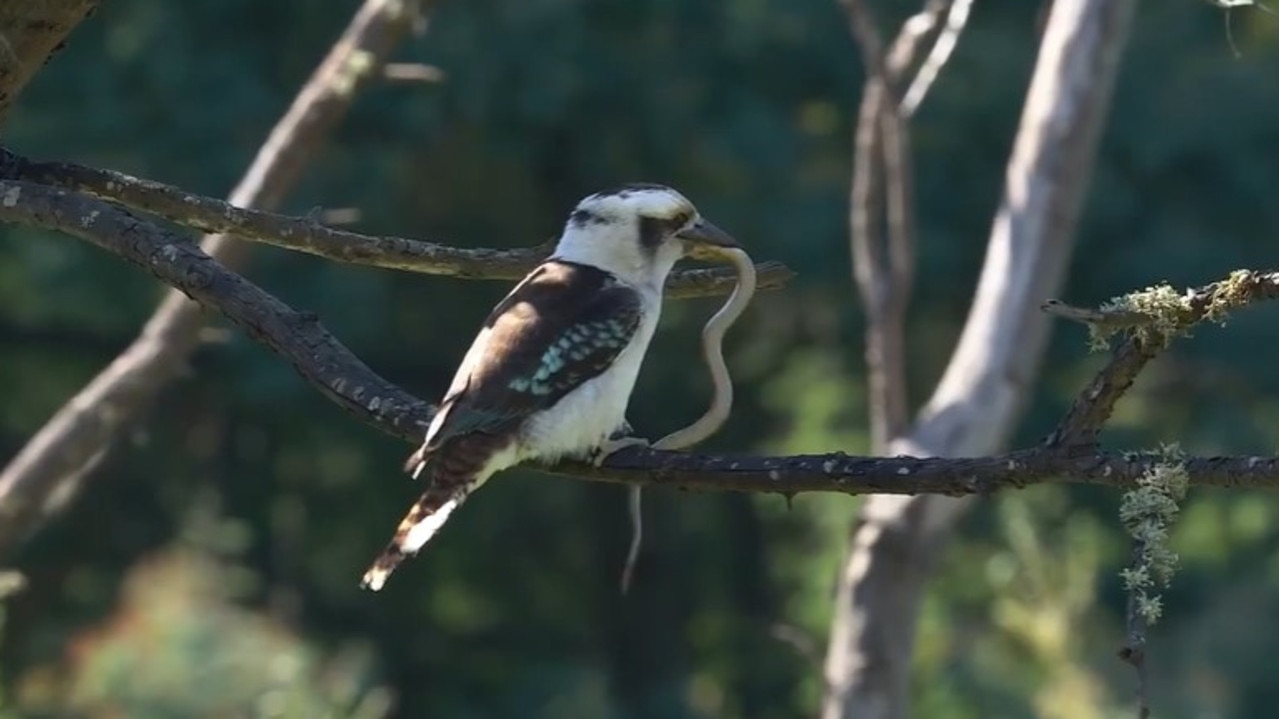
column 551, row 372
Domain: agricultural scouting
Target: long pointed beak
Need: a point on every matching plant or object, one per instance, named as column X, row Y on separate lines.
column 704, row 238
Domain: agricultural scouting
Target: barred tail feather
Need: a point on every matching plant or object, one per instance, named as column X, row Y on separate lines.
column 423, row 520
column 452, row 473
column 417, row 461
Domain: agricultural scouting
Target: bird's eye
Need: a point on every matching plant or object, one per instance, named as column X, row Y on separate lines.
column 656, row 230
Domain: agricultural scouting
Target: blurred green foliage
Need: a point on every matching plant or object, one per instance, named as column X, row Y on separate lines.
column 210, row 567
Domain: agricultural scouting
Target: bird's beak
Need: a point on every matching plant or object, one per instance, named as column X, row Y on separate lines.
column 705, row 241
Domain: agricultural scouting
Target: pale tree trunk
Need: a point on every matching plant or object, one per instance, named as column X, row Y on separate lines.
column 896, row 540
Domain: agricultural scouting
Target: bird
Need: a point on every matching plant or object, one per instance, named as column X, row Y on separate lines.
column 551, row 371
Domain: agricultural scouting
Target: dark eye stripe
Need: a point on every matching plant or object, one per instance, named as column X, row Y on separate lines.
column 653, row 231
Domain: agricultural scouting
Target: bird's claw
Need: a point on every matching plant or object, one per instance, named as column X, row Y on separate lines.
column 616, row 444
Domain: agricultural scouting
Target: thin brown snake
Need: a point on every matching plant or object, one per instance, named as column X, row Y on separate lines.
column 721, row 401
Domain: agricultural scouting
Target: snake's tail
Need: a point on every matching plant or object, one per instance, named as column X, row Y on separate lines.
column 721, row 402
column 635, row 504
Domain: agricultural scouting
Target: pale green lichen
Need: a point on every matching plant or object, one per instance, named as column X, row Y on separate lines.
column 1162, row 308
column 1159, row 314
column 1231, row 293
column 1148, row 512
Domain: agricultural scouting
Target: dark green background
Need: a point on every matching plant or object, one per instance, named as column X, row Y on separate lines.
column 210, row 567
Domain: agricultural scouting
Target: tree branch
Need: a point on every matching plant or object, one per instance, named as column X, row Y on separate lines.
column 1133, row 650
column 30, row 33
column 300, row 339
column 306, row 234
column 1154, row 329
column 883, row 185
column 75, row 439
column 947, row 39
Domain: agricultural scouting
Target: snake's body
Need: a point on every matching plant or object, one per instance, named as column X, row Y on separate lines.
column 722, row 399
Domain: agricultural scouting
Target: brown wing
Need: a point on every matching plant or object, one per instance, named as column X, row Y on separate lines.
column 563, row 325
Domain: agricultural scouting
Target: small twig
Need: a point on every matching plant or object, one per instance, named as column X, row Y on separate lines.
column 340, row 216
column 413, row 72
column 1111, row 319
column 800, row 641
column 882, row 184
column 1134, row 649
column 306, row 234
column 956, row 19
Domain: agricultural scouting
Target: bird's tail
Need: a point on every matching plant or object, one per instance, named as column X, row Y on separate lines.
column 452, row 473
column 423, row 520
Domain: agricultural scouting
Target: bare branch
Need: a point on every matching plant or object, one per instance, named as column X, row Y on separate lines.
column 956, row 19
column 323, row 361
column 30, row 33
column 77, row 437
column 1133, row 650
column 882, row 177
column 306, row 234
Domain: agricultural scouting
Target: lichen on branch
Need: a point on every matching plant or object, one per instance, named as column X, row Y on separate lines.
column 1148, row 512
column 1159, row 314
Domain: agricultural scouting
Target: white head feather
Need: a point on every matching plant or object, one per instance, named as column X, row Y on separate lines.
column 630, row 232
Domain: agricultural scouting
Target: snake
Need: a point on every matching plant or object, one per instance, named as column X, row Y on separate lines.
column 721, row 404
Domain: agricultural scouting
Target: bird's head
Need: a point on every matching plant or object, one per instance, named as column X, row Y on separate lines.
column 638, row 232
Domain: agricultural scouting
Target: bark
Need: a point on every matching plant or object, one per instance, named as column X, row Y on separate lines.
column 897, row 540
column 31, row 31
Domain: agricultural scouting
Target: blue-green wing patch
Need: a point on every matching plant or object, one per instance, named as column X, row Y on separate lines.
column 561, row 327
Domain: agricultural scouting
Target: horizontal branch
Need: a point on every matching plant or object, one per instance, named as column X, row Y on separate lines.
column 323, row 361
column 848, row 474
column 306, row 234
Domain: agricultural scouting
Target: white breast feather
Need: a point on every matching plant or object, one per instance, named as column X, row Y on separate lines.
column 585, row 417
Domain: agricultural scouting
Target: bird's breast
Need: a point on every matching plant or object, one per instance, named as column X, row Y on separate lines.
column 586, row 416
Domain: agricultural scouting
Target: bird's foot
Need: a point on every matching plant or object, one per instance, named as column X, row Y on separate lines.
column 616, row 444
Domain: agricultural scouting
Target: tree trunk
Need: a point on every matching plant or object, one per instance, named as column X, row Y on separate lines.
column 896, row 540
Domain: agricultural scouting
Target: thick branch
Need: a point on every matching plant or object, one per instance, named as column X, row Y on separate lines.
column 322, row 360
column 30, row 33
column 306, row 234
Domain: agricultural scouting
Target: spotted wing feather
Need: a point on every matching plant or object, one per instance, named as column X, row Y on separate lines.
column 563, row 325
